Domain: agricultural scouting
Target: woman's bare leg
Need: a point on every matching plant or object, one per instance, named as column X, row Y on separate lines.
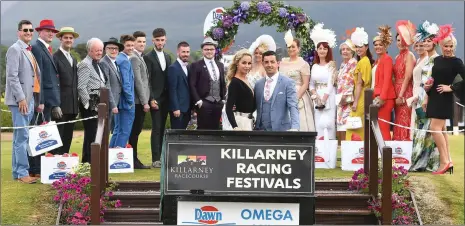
column 439, row 139
column 446, row 137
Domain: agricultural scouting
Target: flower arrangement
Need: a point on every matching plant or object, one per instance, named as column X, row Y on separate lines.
column 402, row 207
column 270, row 13
column 73, row 192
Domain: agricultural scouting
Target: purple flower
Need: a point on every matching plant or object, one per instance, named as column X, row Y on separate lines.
column 218, row 33
column 282, row 12
column 227, row 21
column 245, row 6
column 301, row 17
column 264, row 7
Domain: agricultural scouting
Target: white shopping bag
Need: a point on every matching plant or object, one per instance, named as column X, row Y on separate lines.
column 352, row 155
column 325, row 154
column 120, row 160
column 401, row 152
column 55, row 167
column 43, row 139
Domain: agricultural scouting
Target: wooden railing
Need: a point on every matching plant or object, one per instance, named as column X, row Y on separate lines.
column 374, row 144
column 99, row 157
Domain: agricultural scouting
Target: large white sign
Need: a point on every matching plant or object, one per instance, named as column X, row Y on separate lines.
column 237, row 213
column 212, row 18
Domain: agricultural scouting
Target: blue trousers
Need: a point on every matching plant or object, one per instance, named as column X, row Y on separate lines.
column 123, row 126
column 20, row 163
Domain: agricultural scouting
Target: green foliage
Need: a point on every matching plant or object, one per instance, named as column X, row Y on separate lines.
column 81, row 50
column 195, row 55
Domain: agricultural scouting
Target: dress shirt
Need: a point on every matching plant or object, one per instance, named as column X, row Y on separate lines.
column 210, row 70
column 161, row 58
column 45, row 43
column 273, row 83
column 67, row 55
column 114, row 63
column 183, row 65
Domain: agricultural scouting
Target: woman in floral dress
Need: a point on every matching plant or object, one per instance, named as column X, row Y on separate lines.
column 345, row 87
column 403, row 73
column 425, row 156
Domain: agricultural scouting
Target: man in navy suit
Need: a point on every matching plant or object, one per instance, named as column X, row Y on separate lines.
column 178, row 88
column 126, row 107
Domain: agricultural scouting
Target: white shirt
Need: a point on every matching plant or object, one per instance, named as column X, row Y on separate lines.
column 210, row 69
column 161, row 58
column 139, row 53
column 67, row 55
column 46, row 44
column 114, row 62
column 184, row 67
column 273, row 83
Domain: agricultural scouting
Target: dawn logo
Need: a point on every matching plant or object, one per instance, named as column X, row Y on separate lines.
column 207, row 215
column 61, row 165
column 361, row 151
column 43, row 134
column 398, row 150
column 120, row 155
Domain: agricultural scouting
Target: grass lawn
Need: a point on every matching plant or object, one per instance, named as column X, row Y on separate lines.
column 32, row 204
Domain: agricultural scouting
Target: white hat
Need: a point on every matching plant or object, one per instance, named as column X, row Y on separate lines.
column 209, row 41
column 265, row 41
column 359, row 37
column 318, row 34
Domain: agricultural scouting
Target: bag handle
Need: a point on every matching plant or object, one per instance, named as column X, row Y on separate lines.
column 37, row 117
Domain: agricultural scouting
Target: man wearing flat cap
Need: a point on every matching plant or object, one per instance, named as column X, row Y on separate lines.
column 208, row 87
column 67, row 71
column 48, row 95
column 112, row 47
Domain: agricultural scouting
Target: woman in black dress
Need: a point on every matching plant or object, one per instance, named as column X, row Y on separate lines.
column 240, row 102
column 440, row 94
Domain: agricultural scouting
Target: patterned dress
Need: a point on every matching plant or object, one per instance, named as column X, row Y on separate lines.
column 403, row 113
column 296, row 70
column 345, row 92
column 425, row 156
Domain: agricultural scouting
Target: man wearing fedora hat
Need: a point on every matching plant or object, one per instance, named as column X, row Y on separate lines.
column 67, row 69
column 49, row 100
column 109, row 67
column 208, row 86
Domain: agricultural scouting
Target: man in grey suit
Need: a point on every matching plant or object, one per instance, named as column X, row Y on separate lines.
column 141, row 95
column 21, row 72
column 276, row 99
column 108, row 66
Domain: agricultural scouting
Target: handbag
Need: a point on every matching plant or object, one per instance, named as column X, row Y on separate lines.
column 354, row 123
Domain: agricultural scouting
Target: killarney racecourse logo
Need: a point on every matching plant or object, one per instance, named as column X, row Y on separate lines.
column 191, row 167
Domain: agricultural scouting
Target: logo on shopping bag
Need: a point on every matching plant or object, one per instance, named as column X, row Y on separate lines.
column 120, row 155
column 398, row 150
column 44, row 142
column 361, row 151
column 44, row 135
column 61, row 165
column 60, row 171
column 400, row 159
column 121, row 162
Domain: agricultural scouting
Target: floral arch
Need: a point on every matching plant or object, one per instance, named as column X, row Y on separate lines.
column 270, row 13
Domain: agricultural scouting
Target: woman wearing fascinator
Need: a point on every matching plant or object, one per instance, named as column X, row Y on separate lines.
column 262, row 44
column 298, row 69
column 384, row 92
column 362, row 80
column 425, row 156
column 446, row 69
column 323, row 80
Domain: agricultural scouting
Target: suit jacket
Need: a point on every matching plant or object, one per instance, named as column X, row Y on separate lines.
column 126, row 101
column 141, row 79
column 199, row 80
column 178, row 87
column 283, row 105
column 114, row 80
column 89, row 82
column 384, row 87
column 50, row 83
column 158, row 89
column 68, row 83
column 19, row 74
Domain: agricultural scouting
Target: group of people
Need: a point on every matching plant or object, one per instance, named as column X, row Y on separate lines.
column 256, row 92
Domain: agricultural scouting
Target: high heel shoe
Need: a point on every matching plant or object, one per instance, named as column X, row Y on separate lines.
column 449, row 167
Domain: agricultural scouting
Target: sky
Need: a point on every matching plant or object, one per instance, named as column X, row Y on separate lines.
column 184, row 20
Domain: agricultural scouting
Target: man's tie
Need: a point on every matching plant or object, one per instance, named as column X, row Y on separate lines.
column 268, row 89
column 70, row 59
column 215, row 77
column 95, row 64
column 117, row 67
column 50, row 49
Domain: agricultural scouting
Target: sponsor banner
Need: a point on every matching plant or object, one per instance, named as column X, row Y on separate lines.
column 56, row 167
column 120, row 160
column 326, row 154
column 44, row 139
column 401, row 152
column 239, row 168
column 237, row 213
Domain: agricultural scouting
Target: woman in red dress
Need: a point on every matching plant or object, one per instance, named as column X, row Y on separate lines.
column 403, row 72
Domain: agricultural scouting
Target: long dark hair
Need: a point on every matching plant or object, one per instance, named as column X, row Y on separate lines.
column 370, row 57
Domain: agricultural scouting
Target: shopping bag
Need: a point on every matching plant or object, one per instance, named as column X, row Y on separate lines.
column 352, row 155
column 325, row 154
column 401, row 152
column 56, row 167
column 120, row 160
column 43, row 139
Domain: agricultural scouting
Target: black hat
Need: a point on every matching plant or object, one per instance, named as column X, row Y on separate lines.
column 114, row 41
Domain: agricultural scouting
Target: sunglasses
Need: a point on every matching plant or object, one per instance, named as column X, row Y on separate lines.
column 26, row 30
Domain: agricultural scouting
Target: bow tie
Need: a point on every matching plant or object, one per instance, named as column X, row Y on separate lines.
column 29, row 48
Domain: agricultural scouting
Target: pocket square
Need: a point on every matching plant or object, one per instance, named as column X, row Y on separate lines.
column 280, row 93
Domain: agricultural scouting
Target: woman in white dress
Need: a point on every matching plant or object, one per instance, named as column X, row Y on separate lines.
column 322, row 82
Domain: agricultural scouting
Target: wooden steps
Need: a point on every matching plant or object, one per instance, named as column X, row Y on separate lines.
column 333, row 202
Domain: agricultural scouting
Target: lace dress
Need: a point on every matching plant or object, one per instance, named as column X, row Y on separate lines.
column 296, row 70
column 402, row 112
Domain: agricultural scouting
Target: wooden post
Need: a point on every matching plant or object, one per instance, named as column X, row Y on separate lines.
column 95, row 184
column 104, row 98
column 368, row 99
column 386, row 206
column 373, row 150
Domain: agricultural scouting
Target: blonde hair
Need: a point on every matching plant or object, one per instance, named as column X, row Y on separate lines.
column 232, row 69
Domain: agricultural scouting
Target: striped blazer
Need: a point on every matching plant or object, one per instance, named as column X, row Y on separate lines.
column 89, row 82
